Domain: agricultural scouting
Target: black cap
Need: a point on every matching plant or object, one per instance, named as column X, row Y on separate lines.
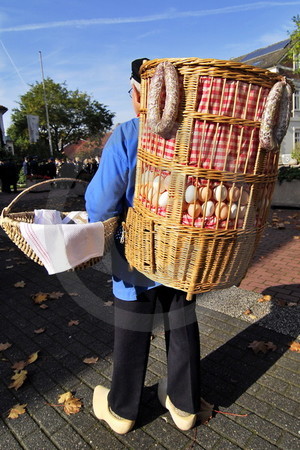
column 135, row 68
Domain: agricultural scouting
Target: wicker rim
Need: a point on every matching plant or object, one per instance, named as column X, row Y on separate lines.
column 216, row 67
column 7, row 209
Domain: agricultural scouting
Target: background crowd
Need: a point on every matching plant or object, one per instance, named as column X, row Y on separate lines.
column 13, row 173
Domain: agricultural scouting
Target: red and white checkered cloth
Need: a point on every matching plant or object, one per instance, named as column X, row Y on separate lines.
column 214, row 145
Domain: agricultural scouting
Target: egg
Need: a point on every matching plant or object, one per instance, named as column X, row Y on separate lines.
column 191, row 194
column 167, row 181
column 152, row 196
column 220, row 193
column 242, row 212
column 204, row 193
column 208, row 208
column 194, row 209
column 233, row 194
column 148, row 177
column 233, row 211
column 158, row 184
column 244, row 198
column 221, row 210
column 163, row 199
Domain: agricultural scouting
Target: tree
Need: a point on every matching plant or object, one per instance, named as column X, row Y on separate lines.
column 295, row 39
column 73, row 115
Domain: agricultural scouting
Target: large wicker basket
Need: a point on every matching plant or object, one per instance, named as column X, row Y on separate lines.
column 10, row 222
column 216, row 147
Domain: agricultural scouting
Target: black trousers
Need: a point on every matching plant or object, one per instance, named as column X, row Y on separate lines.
column 133, row 325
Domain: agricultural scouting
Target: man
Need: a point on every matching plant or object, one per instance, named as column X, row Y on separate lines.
column 109, row 194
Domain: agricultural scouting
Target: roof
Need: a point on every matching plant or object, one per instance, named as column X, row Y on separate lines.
column 266, row 57
column 71, row 150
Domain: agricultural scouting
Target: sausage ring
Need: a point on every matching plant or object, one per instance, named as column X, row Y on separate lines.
column 276, row 116
column 165, row 75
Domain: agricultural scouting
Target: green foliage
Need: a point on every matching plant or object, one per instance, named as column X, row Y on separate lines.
column 22, row 178
column 73, row 115
column 296, row 152
column 288, row 174
column 295, row 39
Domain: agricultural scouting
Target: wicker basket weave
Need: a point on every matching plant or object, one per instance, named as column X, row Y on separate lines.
column 10, row 222
column 216, row 147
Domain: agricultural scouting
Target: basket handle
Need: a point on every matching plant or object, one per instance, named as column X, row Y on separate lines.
column 7, row 209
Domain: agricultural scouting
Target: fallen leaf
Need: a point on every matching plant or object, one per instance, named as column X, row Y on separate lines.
column 271, row 346
column 73, row 294
column 55, row 295
column 247, row 312
column 39, row 330
column 19, row 377
column 258, row 346
column 265, row 298
column 281, row 302
column 63, row 397
column 19, row 365
column 44, row 306
column 295, row 346
column 5, row 346
column 108, row 303
column 73, row 322
column 280, row 226
column 296, row 237
column 9, row 267
column 292, row 304
column 39, row 297
column 286, row 222
column 91, row 360
column 72, row 405
column 32, row 358
column 16, row 411
column 20, row 284
column 252, row 316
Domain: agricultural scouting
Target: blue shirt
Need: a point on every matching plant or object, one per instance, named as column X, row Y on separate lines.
column 110, row 194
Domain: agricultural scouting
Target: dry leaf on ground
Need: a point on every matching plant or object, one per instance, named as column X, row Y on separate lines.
column 9, row 267
column 39, row 330
column 55, row 295
column 73, row 322
column 91, row 360
column 70, row 403
column 271, row 346
column 19, row 377
column 19, row 365
column 63, row 397
column 4, row 346
column 295, row 346
column 44, row 306
column 32, row 358
column 108, row 303
column 16, row 411
column 261, row 346
column 39, row 297
column 265, row 298
column 72, row 406
column 20, row 284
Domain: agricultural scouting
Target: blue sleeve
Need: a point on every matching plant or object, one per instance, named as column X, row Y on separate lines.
column 105, row 193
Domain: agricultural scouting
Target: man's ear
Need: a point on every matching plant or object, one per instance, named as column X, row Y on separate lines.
column 137, row 94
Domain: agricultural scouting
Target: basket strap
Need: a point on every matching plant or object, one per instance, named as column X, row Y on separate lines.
column 7, row 209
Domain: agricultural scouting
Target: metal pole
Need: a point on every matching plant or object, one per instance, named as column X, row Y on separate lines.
column 46, row 106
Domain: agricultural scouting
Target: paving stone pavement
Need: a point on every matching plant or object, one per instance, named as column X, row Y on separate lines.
column 258, row 392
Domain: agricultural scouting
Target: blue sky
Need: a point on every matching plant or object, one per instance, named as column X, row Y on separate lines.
column 89, row 44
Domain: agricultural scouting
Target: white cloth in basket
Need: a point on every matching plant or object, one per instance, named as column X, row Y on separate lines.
column 63, row 246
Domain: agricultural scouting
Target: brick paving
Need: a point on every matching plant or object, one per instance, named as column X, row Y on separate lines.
column 260, row 391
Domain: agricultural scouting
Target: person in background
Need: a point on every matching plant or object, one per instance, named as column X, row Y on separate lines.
column 109, row 194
